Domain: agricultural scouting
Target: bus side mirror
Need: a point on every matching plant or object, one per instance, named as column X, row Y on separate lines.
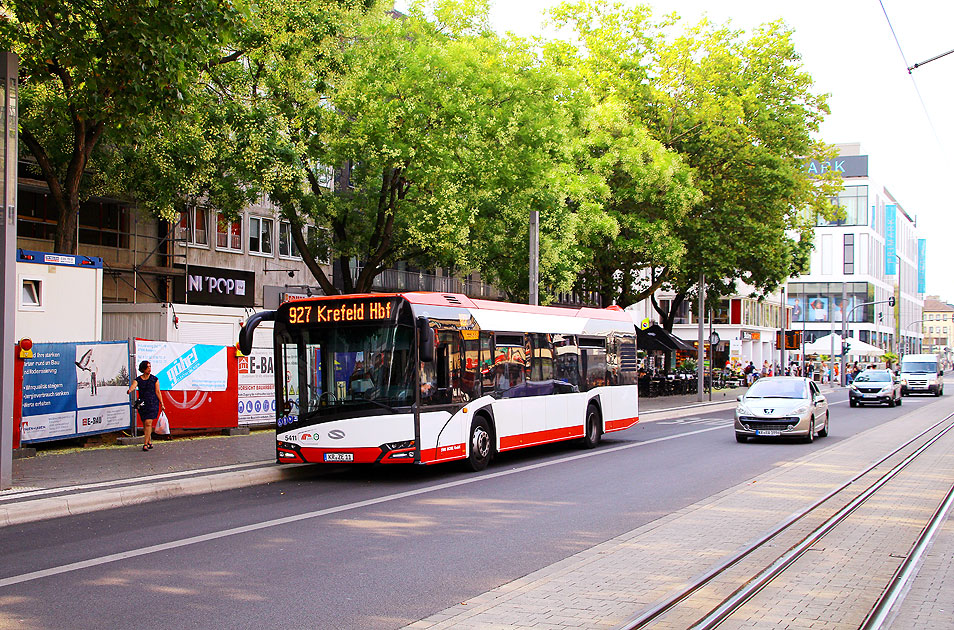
column 425, row 337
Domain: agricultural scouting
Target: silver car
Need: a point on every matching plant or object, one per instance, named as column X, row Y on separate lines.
column 875, row 386
column 782, row 406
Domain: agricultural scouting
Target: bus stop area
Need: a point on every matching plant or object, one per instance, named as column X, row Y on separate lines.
column 62, row 481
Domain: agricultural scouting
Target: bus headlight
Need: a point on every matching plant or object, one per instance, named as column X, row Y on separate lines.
column 397, row 446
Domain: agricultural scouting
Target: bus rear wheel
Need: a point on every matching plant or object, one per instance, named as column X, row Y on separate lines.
column 593, row 430
column 481, row 448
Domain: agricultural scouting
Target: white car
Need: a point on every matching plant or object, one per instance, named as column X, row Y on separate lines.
column 782, row 406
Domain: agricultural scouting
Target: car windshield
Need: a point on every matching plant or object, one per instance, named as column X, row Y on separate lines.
column 914, row 367
column 780, row 388
column 880, row 376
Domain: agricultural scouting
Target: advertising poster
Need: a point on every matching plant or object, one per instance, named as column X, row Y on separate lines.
column 256, row 387
column 798, row 312
column 843, row 308
column 72, row 389
column 818, row 309
column 199, row 383
column 185, row 366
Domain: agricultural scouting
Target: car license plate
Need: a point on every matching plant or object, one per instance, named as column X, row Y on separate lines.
column 339, row 457
column 869, row 395
column 767, row 432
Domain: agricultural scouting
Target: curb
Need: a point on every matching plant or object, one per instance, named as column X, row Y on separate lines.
column 85, row 502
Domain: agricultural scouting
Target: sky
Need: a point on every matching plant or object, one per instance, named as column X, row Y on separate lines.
column 904, row 122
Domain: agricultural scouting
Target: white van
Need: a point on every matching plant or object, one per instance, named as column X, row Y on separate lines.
column 921, row 373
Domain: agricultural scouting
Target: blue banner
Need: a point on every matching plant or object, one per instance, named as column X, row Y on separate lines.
column 74, row 389
column 890, row 239
column 922, row 264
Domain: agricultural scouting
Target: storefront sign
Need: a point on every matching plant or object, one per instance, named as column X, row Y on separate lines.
column 215, row 287
column 751, row 335
column 922, row 264
column 848, row 166
column 72, row 389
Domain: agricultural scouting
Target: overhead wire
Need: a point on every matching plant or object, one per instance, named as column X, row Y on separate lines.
column 917, row 90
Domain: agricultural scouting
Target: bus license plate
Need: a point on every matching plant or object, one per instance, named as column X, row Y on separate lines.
column 768, row 433
column 339, row 457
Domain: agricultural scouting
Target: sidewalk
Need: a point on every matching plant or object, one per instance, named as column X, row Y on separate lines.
column 72, row 481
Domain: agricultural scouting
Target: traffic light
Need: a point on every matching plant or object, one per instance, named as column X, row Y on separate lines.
column 845, row 347
column 891, row 301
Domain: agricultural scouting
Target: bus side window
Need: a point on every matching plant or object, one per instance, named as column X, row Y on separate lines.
column 567, row 359
column 469, row 386
column 486, row 364
column 593, row 353
column 628, row 361
column 509, row 363
column 542, row 358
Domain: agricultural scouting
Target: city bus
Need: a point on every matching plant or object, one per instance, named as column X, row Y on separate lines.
column 428, row 378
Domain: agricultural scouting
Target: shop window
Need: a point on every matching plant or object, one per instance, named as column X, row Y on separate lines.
column 849, row 254
column 260, row 235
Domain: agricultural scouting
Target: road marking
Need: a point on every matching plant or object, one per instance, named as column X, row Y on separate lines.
column 32, row 492
column 234, row 531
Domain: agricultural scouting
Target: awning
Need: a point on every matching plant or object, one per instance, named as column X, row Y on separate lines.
column 658, row 338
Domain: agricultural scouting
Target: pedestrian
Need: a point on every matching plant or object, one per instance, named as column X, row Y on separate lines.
column 151, row 395
column 749, row 372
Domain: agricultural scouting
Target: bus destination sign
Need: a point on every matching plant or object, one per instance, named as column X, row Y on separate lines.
column 340, row 312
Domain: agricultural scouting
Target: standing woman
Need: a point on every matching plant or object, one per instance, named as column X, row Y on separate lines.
column 149, row 393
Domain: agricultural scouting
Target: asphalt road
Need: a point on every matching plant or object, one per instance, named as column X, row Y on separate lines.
column 375, row 547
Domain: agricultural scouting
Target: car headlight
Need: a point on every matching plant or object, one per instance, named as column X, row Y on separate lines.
column 801, row 409
column 742, row 410
column 853, row 386
column 904, row 381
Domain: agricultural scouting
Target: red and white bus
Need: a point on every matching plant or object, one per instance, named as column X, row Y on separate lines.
column 433, row 377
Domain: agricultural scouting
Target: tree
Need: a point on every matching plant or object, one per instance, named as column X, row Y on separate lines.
column 740, row 112
column 92, row 71
column 441, row 134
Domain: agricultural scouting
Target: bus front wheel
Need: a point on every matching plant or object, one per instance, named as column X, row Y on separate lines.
column 481, row 447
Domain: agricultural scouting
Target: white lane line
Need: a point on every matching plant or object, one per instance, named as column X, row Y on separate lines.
column 234, row 531
column 118, row 482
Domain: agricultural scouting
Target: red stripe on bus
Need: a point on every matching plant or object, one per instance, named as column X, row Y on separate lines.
column 619, row 425
column 510, row 442
column 444, row 453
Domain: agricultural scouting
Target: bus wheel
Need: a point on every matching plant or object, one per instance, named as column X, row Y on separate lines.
column 480, row 445
column 593, row 433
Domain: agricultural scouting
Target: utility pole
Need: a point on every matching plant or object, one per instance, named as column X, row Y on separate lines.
column 783, row 315
column 9, row 292
column 534, row 257
column 701, row 352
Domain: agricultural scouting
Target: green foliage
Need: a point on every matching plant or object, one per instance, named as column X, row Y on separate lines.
column 91, row 73
column 740, row 113
column 448, row 133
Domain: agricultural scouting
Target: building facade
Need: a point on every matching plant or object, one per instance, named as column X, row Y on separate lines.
column 938, row 326
column 859, row 262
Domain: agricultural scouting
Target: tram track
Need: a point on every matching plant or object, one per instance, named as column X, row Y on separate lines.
column 713, row 597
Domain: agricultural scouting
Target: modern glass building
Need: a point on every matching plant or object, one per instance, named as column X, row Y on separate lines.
column 870, row 254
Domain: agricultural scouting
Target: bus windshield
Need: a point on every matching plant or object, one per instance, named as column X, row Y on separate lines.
column 329, row 369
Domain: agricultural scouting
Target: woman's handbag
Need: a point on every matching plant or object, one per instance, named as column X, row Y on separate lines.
column 139, row 403
column 162, row 424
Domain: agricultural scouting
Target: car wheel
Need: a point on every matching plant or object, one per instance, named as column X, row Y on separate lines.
column 593, row 434
column 741, row 438
column 852, row 402
column 811, row 431
column 891, row 402
column 481, row 448
column 823, row 432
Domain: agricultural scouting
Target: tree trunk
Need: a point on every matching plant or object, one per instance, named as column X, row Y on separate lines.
column 309, row 259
